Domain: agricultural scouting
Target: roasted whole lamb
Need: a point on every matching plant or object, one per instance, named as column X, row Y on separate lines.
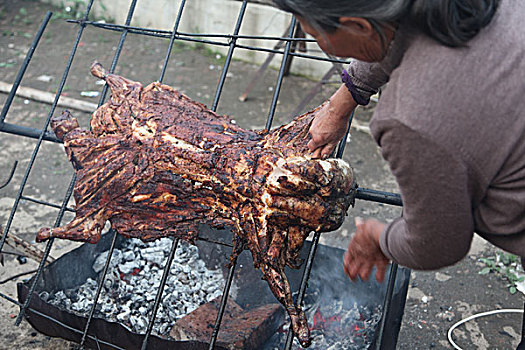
column 158, row 164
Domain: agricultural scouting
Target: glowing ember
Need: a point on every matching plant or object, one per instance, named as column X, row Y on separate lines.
column 335, row 325
column 320, row 322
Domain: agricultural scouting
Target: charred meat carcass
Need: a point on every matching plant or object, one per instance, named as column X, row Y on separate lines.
column 158, row 164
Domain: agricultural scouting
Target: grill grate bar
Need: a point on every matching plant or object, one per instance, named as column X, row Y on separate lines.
column 172, row 40
column 118, row 51
column 386, row 306
column 44, row 257
column 116, row 57
column 282, row 70
column 99, row 288
column 22, row 70
column 8, row 298
column 167, row 33
column 33, row 157
column 191, row 37
column 11, row 174
column 227, row 63
column 46, row 203
column 233, row 263
column 158, row 297
column 342, row 145
column 222, row 308
column 304, row 284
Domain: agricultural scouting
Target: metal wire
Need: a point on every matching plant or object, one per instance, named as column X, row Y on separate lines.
column 131, row 11
column 277, row 89
column 99, row 288
column 46, row 203
column 175, row 242
column 222, row 80
column 172, row 40
column 32, row 160
column 304, row 283
column 222, row 307
column 193, row 37
column 11, row 173
column 158, row 297
column 43, row 134
column 381, row 342
column 224, row 72
column 166, row 33
column 22, row 70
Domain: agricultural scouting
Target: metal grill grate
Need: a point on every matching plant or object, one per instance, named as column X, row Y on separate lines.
column 42, row 135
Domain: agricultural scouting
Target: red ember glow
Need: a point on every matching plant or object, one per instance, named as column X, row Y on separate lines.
column 321, row 322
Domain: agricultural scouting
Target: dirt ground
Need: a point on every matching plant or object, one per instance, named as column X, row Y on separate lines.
column 436, row 300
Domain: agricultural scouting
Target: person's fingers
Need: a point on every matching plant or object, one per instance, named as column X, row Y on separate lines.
column 346, row 263
column 321, row 152
column 353, row 270
column 327, row 150
column 317, row 153
column 381, row 271
column 312, row 145
column 365, row 270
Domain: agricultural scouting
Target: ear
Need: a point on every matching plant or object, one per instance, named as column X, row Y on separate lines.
column 357, row 25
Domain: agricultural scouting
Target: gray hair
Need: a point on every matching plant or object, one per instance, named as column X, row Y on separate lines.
column 450, row 22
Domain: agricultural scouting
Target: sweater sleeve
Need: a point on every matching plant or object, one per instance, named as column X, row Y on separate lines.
column 367, row 78
column 437, row 224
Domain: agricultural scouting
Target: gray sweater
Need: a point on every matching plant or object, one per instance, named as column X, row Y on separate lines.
column 451, row 124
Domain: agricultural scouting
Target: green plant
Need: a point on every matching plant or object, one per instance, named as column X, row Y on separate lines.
column 506, row 265
column 6, row 64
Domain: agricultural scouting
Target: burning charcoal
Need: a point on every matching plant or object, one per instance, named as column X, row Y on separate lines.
column 124, row 315
column 100, row 261
column 128, row 255
column 163, row 328
column 139, row 323
column 91, row 283
column 213, row 295
column 128, row 267
column 127, row 295
column 44, row 295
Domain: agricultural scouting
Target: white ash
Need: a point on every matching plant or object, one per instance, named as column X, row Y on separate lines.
column 132, row 282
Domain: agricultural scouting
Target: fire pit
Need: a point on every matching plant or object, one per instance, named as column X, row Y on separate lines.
column 342, row 314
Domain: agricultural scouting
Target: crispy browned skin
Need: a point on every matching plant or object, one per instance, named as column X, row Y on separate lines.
column 158, row 164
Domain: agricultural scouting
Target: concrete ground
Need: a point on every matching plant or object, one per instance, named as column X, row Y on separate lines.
column 436, row 300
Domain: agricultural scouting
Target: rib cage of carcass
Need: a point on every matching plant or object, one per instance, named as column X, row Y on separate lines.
column 158, row 164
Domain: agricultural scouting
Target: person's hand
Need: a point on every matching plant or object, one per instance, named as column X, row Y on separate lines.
column 364, row 251
column 327, row 130
column 330, row 123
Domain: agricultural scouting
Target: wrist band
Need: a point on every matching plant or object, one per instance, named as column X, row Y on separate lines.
column 345, row 77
